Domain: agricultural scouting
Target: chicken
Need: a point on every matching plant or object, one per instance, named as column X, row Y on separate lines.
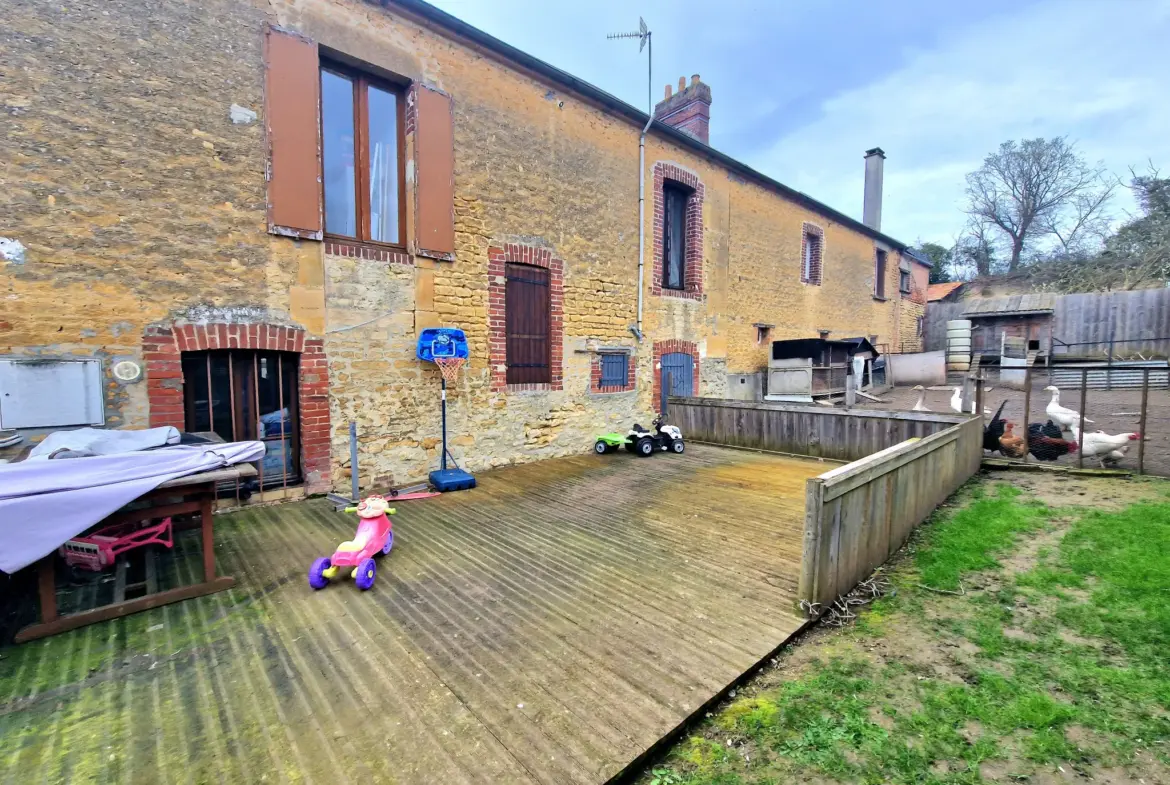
column 1011, row 445
column 920, row 404
column 1065, row 418
column 957, row 403
column 1046, row 442
column 1104, row 447
column 993, row 430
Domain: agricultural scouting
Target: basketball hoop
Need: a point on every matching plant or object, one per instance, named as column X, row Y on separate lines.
column 450, row 367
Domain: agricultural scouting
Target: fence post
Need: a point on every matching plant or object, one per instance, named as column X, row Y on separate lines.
column 850, row 391
column 967, row 397
column 353, row 461
column 979, row 395
column 1027, row 408
column 1142, row 421
column 1081, row 424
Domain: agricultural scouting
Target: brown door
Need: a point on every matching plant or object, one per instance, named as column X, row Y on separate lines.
column 526, row 307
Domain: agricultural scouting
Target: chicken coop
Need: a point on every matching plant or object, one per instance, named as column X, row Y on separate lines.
column 801, row 370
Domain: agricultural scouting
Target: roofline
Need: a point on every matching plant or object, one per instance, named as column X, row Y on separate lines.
column 619, row 107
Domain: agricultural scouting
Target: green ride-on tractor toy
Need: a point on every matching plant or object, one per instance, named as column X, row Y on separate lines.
column 641, row 442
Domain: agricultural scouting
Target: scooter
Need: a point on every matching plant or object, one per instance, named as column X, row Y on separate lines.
column 375, row 534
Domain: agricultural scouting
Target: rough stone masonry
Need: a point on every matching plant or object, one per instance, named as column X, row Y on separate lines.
column 135, row 185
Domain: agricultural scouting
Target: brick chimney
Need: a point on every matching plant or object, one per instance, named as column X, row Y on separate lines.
column 688, row 110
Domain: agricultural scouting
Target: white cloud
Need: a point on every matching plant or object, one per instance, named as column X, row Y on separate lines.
column 1093, row 71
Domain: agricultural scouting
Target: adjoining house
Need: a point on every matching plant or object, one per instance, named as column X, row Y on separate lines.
column 237, row 217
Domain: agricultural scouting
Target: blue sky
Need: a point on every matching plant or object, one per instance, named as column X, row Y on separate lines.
column 801, row 88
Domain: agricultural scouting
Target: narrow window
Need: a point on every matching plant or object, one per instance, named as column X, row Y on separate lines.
column 810, row 269
column 614, row 368
column 527, row 319
column 361, row 137
column 918, row 326
column 674, row 236
column 903, row 282
column 243, row 395
column 879, row 275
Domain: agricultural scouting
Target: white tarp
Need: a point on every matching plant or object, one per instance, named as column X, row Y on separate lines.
column 102, row 441
column 43, row 504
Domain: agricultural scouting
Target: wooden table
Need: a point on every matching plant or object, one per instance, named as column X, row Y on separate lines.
column 197, row 492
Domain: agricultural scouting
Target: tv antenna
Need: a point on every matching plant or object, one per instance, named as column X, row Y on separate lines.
column 643, row 36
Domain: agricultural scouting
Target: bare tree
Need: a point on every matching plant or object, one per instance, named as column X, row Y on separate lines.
column 1034, row 188
column 974, row 249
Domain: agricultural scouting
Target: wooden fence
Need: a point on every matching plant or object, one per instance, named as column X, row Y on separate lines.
column 858, row 515
column 801, row 429
column 1130, row 322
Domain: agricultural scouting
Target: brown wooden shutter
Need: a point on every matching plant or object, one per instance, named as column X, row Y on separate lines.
column 526, row 310
column 292, row 87
column 434, row 173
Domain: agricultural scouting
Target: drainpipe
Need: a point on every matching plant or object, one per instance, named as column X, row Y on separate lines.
column 642, row 219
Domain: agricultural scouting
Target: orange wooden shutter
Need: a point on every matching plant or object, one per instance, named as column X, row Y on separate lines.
column 292, row 87
column 435, row 173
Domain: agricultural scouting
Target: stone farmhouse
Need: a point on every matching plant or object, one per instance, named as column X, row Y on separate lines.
column 236, row 215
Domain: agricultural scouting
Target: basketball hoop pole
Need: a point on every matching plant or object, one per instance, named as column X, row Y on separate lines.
column 443, row 463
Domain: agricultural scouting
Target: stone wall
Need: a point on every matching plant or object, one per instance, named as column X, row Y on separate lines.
column 142, row 205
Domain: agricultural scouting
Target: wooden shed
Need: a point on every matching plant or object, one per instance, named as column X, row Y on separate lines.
column 802, row 369
column 995, row 321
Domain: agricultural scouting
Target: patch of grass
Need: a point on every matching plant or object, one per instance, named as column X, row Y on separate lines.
column 1088, row 631
column 968, row 539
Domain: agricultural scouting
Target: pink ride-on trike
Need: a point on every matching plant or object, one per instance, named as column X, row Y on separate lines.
column 375, row 535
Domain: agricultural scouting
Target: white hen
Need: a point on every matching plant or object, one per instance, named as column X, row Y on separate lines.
column 1103, row 446
column 1067, row 419
column 920, row 404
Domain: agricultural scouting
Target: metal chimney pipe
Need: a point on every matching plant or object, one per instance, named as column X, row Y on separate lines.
column 871, row 212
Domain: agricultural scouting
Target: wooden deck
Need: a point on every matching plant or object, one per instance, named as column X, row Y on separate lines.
column 547, row 627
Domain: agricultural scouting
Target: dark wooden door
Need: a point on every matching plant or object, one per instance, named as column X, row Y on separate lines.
column 526, row 307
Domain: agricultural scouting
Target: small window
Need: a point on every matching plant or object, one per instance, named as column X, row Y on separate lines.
column 810, row 269
column 674, row 236
column 879, row 275
column 904, row 282
column 361, row 139
column 527, row 319
column 614, row 369
column 918, row 326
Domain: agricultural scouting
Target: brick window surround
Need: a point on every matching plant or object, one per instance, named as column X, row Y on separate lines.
column 671, row 347
column 498, row 259
column 693, row 282
column 162, row 347
column 595, row 374
column 816, row 268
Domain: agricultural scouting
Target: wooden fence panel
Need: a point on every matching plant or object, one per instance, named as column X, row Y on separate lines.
column 801, row 429
column 861, row 513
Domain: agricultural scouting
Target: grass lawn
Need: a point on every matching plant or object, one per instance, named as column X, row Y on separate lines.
column 1048, row 662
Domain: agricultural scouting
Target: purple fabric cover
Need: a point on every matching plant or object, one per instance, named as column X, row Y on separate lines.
column 43, row 504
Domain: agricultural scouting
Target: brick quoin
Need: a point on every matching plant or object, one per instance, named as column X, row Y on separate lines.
column 161, row 351
column 670, row 347
column 517, row 253
column 694, row 232
column 595, row 376
column 816, row 269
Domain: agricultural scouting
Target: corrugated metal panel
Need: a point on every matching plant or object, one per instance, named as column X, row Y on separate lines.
column 1122, row 374
column 435, row 173
column 43, row 393
column 291, row 98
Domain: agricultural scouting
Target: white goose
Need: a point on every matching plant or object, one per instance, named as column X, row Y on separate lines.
column 957, row 403
column 1067, row 419
column 920, row 404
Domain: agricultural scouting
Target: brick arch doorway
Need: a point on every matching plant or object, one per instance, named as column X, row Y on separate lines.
column 269, row 382
column 679, row 361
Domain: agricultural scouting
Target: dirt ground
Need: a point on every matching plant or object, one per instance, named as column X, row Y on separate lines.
column 1112, row 411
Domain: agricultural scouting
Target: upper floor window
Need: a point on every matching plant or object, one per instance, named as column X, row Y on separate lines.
column 879, row 275
column 810, row 263
column 904, row 281
column 674, row 236
column 361, row 140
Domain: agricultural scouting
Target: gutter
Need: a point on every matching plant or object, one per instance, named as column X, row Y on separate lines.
column 510, row 55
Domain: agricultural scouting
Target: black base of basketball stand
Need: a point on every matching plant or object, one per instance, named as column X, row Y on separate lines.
column 445, row 479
